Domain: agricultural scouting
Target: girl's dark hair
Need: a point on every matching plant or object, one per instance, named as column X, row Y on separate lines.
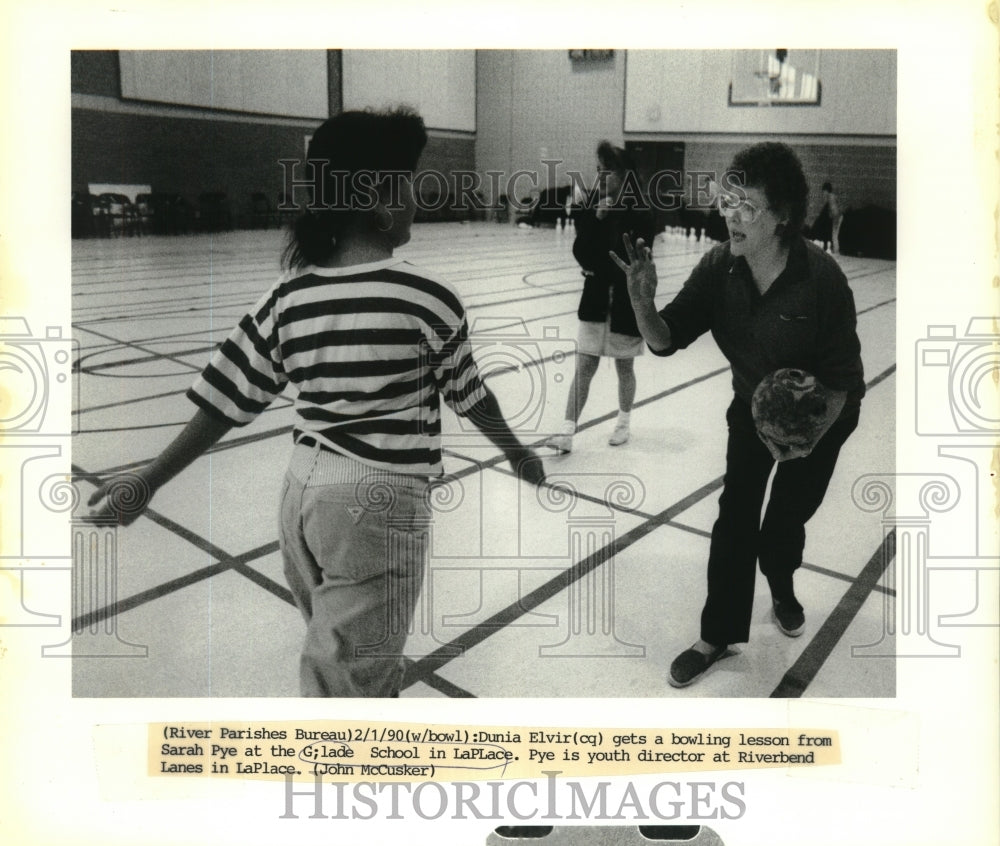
column 615, row 158
column 348, row 156
column 776, row 170
column 632, row 193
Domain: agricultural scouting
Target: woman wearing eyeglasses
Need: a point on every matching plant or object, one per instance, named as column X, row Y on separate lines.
column 771, row 300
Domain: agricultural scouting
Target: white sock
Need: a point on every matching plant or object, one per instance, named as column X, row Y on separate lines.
column 568, row 427
column 623, row 418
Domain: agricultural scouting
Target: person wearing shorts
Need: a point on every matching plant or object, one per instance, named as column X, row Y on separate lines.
column 607, row 322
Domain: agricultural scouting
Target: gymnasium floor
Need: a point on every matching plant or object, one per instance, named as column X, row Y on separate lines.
column 587, row 588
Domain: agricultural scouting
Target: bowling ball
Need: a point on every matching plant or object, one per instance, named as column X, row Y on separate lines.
column 789, row 407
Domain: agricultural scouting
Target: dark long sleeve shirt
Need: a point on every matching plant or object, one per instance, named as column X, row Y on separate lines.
column 806, row 319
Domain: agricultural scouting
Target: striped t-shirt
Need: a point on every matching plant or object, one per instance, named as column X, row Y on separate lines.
column 372, row 350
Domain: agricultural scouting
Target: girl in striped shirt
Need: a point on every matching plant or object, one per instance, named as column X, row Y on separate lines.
column 373, row 346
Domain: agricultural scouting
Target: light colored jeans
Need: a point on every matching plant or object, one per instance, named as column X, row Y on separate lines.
column 354, row 545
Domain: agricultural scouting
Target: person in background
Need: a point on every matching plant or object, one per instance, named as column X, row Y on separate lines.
column 771, row 300
column 607, row 322
column 827, row 225
column 373, row 346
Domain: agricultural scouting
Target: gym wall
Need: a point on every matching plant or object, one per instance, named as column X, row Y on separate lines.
column 189, row 133
column 514, row 108
column 539, row 104
column 531, row 103
column 848, row 138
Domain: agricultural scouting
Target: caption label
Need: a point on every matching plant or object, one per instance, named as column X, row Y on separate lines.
column 401, row 751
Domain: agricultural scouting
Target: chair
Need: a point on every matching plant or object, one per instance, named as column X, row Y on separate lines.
column 144, row 213
column 115, row 215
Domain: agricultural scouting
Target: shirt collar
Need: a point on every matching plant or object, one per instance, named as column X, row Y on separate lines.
column 351, row 270
column 796, row 267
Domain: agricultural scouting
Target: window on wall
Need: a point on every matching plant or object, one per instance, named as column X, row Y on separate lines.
column 290, row 83
column 775, row 77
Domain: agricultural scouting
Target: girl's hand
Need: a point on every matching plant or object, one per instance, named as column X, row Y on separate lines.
column 121, row 499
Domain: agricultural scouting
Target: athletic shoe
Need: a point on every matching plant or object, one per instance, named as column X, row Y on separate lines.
column 619, row 435
column 562, row 444
column 789, row 617
column 691, row 665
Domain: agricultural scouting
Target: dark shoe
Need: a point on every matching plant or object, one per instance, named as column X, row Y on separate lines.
column 562, row 444
column 789, row 616
column 691, row 665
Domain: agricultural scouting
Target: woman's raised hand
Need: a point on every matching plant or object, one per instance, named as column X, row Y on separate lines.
column 640, row 271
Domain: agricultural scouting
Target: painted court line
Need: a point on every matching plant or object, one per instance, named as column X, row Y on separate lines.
column 814, row 656
column 797, row 678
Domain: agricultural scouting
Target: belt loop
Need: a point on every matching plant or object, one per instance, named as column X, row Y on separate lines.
column 314, row 450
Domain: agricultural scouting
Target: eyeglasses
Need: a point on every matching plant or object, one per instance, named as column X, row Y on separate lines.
column 730, row 203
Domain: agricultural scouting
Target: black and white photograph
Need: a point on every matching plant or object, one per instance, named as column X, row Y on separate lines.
column 580, row 468
column 511, row 424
